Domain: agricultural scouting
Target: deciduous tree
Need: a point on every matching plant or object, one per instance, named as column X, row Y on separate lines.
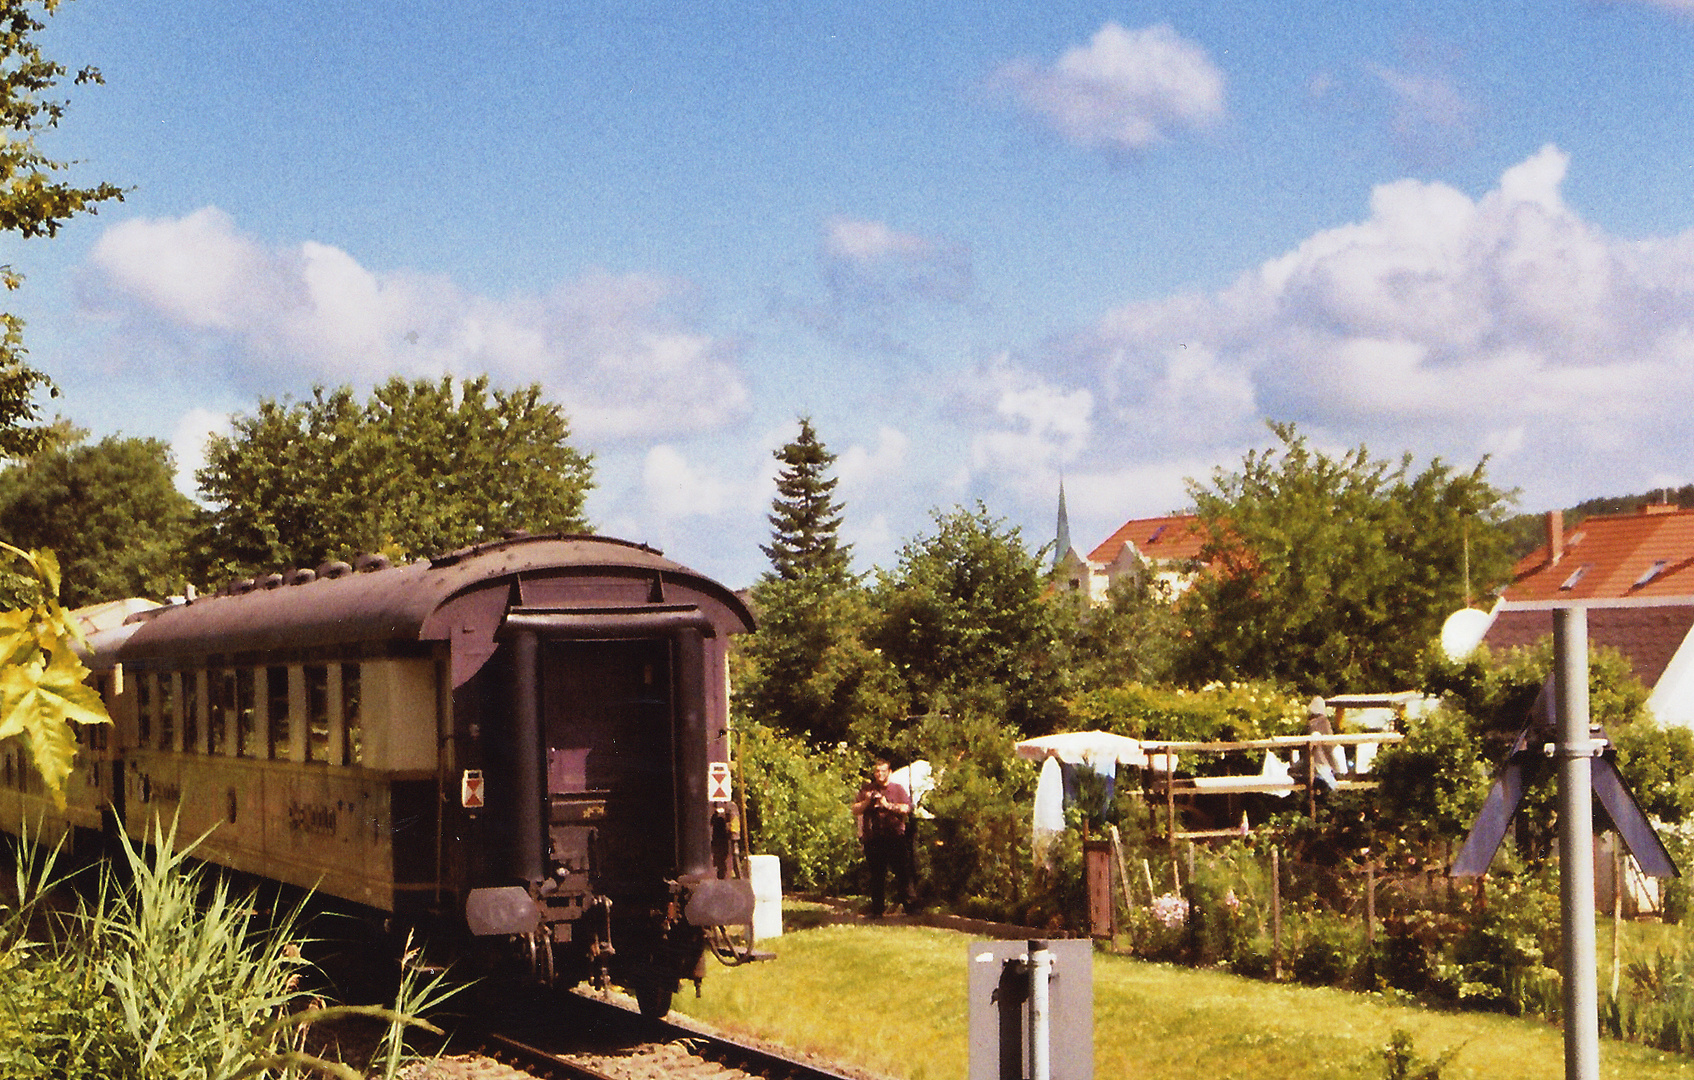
column 1130, row 638
column 809, row 670
column 1332, row 574
column 111, row 512
column 33, row 202
column 419, row 469
column 965, row 606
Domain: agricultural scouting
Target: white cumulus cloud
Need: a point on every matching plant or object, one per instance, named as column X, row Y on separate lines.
column 676, row 488
column 1440, row 322
column 871, row 263
column 861, row 468
column 1029, row 429
column 620, row 352
column 1125, row 89
column 188, row 445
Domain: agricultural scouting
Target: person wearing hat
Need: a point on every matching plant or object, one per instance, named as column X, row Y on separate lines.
column 1327, row 760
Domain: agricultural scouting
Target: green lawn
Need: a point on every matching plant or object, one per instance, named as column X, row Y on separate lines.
column 892, row 1000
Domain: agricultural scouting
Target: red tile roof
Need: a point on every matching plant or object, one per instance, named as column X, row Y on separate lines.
column 1648, row 636
column 1172, row 538
column 1648, row 554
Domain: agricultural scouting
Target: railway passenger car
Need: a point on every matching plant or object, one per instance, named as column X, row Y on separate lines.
column 523, row 744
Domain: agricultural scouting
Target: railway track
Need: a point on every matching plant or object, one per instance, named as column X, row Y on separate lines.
column 592, row 1039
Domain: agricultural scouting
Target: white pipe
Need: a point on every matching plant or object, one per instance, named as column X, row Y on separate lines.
column 1040, row 1026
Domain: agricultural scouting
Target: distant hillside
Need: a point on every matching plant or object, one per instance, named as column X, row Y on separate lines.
column 1529, row 531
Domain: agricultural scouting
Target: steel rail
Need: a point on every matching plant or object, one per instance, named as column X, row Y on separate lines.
column 634, row 1030
column 533, row 1059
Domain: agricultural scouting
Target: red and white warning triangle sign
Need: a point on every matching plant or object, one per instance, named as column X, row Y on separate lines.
column 470, row 789
column 717, row 775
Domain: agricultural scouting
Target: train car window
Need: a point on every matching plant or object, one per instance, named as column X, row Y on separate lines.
column 317, row 712
column 220, row 700
column 244, row 732
column 144, row 708
column 276, row 711
column 352, row 738
column 166, row 708
column 191, row 712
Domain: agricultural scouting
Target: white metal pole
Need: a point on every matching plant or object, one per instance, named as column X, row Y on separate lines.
column 1040, row 1023
column 1575, row 749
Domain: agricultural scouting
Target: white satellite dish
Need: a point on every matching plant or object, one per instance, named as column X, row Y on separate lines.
column 1463, row 631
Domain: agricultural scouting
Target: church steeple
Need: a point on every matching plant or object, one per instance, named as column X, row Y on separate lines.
column 1062, row 545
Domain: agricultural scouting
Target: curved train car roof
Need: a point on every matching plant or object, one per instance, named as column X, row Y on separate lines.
column 462, row 597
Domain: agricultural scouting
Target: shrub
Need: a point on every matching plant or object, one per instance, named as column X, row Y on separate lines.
column 1501, row 961
column 1160, row 930
column 1432, row 783
column 1216, row 712
column 799, row 805
column 1656, row 1006
column 1328, row 951
column 1401, row 1061
column 976, row 849
column 1222, row 924
column 1411, row 948
column 1057, row 897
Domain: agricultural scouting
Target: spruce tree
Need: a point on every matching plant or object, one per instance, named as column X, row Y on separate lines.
column 803, row 518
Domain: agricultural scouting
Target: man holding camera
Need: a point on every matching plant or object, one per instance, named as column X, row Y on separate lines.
column 882, row 808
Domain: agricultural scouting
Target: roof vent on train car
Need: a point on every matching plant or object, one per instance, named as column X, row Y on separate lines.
column 331, row 570
column 515, row 534
column 299, row 576
column 245, row 585
column 269, row 581
column 365, row 564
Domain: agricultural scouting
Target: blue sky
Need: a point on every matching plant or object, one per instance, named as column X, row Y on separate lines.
column 980, row 245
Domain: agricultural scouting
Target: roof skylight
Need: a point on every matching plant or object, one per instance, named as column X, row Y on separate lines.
column 1576, row 576
column 1652, row 572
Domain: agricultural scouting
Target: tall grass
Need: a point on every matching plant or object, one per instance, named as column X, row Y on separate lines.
column 1655, row 999
column 165, row 974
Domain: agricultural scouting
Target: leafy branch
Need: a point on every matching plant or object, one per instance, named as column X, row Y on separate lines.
column 43, row 688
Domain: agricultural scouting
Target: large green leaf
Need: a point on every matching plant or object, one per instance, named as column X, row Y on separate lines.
column 43, row 688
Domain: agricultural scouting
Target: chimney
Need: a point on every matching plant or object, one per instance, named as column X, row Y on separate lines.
column 1555, row 536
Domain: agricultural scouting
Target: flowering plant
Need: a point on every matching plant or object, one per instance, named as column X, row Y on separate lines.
column 1170, row 909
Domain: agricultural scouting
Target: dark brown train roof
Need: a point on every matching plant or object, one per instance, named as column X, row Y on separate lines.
column 466, row 592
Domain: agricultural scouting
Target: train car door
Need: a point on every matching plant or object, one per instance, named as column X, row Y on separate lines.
column 607, row 723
